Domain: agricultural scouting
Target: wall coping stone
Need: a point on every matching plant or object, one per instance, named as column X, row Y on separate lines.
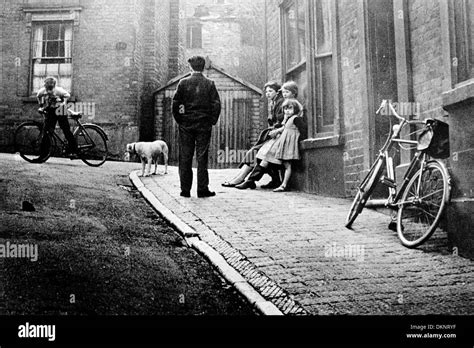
column 462, row 94
column 319, row 143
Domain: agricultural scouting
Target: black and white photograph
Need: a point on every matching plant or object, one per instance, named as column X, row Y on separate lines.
column 236, row 172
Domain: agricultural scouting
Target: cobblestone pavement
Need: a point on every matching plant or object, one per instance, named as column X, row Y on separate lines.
column 293, row 248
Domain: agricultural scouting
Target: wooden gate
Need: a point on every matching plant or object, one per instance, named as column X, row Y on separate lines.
column 231, row 137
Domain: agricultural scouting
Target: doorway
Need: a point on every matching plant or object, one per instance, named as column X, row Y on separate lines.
column 382, row 77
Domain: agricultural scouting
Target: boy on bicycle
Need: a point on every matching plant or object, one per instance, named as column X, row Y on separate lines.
column 52, row 100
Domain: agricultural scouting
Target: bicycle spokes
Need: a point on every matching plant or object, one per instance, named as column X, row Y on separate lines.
column 92, row 146
column 422, row 204
column 32, row 143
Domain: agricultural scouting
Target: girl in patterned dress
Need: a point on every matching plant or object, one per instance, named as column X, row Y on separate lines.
column 285, row 150
column 289, row 90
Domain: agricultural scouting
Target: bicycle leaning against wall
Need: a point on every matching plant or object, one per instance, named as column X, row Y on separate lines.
column 421, row 199
column 91, row 141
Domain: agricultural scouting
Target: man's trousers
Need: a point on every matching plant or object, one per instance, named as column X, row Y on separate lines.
column 190, row 140
column 50, row 121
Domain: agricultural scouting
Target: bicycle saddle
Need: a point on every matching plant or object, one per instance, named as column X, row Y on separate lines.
column 74, row 115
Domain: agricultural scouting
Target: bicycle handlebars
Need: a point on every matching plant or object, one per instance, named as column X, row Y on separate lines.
column 393, row 112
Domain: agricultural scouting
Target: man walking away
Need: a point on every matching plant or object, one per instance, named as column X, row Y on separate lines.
column 196, row 108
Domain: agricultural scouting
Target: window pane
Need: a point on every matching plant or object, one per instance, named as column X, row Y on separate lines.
column 463, row 35
column 325, row 95
column 323, row 27
column 194, row 36
column 197, row 37
column 291, row 37
column 53, row 32
column 301, row 30
column 52, row 70
column 43, row 50
column 52, row 49
column 61, row 49
column 188, row 36
column 62, row 29
column 300, row 76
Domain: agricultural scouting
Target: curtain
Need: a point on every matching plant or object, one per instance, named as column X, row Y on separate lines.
column 68, row 42
column 38, row 42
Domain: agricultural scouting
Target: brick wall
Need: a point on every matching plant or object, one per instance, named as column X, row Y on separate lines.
column 120, row 56
column 15, row 67
column 155, row 29
column 15, row 53
column 426, row 49
column 174, row 40
column 273, row 41
column 183, row 55
column 272, row 50
column 352, row 85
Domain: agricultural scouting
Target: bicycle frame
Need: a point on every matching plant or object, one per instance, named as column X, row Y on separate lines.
column 77, row 126
column 418, row 161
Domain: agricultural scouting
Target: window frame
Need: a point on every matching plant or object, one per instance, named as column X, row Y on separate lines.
column 36, row 14
column 284, row 7
column 315, row 131
column 190, row 27
column 455, row 28
column 318, row 122
column 64, row 58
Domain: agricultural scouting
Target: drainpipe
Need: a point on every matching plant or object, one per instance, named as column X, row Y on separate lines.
column 266, row 43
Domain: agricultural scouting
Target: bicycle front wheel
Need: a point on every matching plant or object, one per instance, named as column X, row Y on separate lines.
column 32, row 143
column 364, row 191
column 422, row 204
column 92, row 145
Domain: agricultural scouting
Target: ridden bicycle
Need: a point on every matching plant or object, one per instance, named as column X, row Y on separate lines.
column 421, row 199
column 91, row 141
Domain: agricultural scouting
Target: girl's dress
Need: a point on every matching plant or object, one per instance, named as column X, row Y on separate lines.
column 264, row 142
column 286, row 147
column 265, row 151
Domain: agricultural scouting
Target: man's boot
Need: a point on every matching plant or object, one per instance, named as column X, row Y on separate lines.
column 256, row 174
column 275, row 182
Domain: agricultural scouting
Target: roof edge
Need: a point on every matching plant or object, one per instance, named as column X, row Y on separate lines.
column 217, row 68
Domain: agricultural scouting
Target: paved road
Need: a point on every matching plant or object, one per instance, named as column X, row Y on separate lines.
column 97, row 239
column 293, row 248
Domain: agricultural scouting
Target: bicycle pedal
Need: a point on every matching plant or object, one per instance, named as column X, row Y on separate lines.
column 392, row 226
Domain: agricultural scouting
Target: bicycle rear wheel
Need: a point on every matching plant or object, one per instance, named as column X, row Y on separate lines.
column 422, row 204
column 28, row 139
column 92, row 145
column 364, row 191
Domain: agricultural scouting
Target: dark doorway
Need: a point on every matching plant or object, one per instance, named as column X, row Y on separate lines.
column 383, row 72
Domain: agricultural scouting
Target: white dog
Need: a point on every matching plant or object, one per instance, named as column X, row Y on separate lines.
column 149, row 152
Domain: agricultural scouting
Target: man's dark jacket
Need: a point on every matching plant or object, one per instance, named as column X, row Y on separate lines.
column 196, row 103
